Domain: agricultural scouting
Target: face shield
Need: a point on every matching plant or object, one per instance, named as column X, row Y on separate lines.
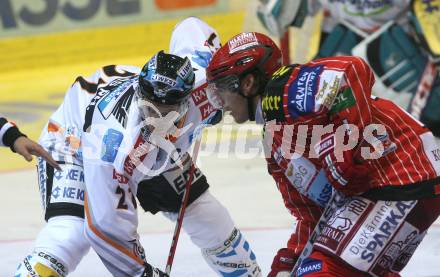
column 220, row 90
column 229, row 83
column 166, row 119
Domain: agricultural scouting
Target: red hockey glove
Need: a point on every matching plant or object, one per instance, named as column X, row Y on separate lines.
column 347, row 176
column 283, row 263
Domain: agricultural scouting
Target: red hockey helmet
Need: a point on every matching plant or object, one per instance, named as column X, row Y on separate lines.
column 244, row 53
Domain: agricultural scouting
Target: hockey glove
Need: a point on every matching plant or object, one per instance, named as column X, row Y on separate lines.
column 283, row 263
column 151, row 271
column 346, row 175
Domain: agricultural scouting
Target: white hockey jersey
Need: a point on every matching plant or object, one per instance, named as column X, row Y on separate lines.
column 99, row 127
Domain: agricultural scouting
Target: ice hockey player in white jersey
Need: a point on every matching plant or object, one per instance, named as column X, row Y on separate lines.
column 125, row 133
column 400, row 39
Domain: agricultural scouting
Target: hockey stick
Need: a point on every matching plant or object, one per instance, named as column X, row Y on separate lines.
column 329, row 210
column 181, row 214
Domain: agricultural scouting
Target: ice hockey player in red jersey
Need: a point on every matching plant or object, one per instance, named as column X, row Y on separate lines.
column 323, row 130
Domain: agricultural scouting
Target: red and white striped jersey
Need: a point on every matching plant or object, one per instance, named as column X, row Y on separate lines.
column 303, row 103
column 332, row 93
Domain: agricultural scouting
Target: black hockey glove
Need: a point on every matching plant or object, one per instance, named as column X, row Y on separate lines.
column 151, row 271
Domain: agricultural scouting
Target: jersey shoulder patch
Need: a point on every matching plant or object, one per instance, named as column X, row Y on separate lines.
column 112, row 99
column 302, row 91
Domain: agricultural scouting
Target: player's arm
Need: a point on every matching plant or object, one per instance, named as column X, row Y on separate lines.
column 349, row 109
column 11, row 136
column 306, row 214
column 9, row 133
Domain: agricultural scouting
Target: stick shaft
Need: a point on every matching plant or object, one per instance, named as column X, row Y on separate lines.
column 328, row 211
column 181, row 214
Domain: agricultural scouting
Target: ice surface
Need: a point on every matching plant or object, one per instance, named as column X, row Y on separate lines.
column 262, row 218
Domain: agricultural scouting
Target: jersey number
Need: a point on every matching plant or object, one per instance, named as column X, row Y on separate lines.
column 122, row 204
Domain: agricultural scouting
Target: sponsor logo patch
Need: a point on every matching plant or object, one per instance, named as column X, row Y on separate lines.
column 110, row 145
column 324, row 146
column 163, row 79
column 242, row 41
column 42, row 180
column 137, row 155
column 320, row 190
column 200, row 98
column 300, row 172
column 432, row 150
column 341, row 222
column 271, row 102
column 54, row 263
column 199, row 95
column 329, row 84
column 68, row 185
column 343, row 100
column 376, row 232
column 108, row 102
column 309, row 266
column 301, row 98
column 399, row 251
column 185, row 70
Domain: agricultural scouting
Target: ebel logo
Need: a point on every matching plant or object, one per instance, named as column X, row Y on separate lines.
column 301, row 98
